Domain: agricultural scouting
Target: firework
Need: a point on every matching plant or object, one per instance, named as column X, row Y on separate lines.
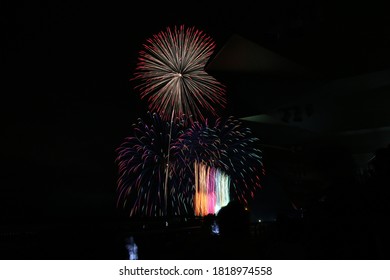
column 240, row 158
column 210, row 165
column 222, row 190
column 142, row 162
column 171, row 71
column 211, row 189
column 225, row 156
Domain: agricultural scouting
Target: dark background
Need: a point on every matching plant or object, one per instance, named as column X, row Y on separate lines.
column 67, row 102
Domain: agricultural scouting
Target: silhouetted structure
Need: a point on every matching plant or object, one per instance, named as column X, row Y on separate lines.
column 377, row 202
column 334, row 227
column 233, row 220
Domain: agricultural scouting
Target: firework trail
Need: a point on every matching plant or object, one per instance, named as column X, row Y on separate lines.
column 240, row 157
column 211, row 189
column 172, row 75
column 224, row 147
column 211, row 164
column 196, row 150
column 142, row 161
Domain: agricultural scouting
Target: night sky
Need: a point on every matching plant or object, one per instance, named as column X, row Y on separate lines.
column 67, row 101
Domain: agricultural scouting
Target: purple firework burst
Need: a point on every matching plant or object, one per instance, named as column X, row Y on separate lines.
column 142, row 162
column 228, row 145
